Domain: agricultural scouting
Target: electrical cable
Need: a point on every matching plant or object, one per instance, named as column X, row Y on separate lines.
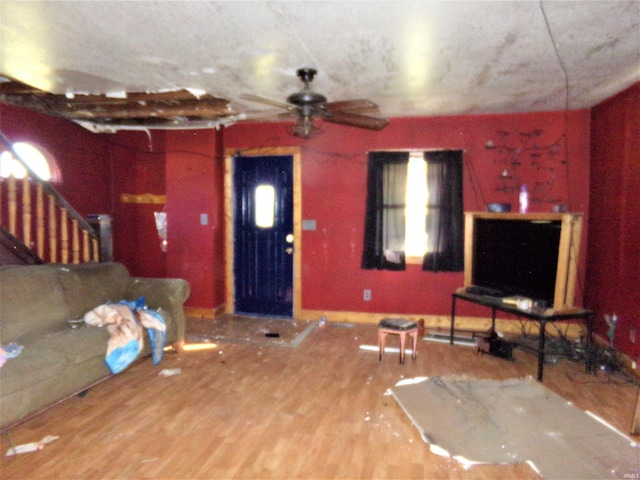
column 566, row 99
column 566, row 123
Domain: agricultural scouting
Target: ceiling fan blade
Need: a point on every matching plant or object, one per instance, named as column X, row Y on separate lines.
column 352, row 106
column 356, row 120
column 267, row 101
column 268, row 116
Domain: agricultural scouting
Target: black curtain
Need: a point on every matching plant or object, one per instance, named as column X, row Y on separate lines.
column 445, row 222
column 384, row 217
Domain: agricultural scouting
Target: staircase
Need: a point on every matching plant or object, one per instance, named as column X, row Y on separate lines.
column 37, row 225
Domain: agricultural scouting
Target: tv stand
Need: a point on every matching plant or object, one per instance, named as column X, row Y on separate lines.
column 542, row 316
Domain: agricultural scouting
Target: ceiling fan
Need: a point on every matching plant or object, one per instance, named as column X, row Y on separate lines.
column 308, row 105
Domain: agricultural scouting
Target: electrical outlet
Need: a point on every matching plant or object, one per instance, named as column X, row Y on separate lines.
column 632, row 334
column 367, row 295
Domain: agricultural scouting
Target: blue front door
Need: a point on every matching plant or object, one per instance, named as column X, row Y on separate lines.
column 263, row 235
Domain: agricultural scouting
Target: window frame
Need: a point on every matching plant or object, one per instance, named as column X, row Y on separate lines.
column 445, row 230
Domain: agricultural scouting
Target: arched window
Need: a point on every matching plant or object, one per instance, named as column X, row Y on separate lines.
column 38, row 161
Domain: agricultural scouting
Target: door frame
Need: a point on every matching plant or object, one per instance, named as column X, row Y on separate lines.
column 293, row 152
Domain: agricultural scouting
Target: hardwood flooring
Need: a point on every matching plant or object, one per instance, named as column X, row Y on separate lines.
column 247, row 411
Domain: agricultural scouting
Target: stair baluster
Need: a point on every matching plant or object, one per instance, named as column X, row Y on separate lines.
column 42, row 212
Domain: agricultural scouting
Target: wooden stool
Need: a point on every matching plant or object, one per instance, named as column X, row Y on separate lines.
column 397, row 326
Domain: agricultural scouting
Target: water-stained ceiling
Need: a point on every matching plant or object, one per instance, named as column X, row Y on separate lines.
column 195, row 62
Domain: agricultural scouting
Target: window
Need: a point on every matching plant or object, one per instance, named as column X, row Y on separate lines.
column 415, row 228
column 31, row 155
column 414, row 211
column 265, row 206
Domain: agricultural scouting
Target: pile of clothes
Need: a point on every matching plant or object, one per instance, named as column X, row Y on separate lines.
column 125, row 321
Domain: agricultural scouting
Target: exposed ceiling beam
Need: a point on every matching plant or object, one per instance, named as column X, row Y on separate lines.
column 180, row 103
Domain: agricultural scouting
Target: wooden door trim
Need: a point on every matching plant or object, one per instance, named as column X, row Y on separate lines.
column 294, row 152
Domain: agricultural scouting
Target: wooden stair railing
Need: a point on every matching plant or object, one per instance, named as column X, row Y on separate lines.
column 33, row 212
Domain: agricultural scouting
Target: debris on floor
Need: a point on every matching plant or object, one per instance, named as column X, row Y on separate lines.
column 515, row 421
column 446, row 338
column 169, row 372
column 31, row 447
column 242, row 329
column 374, row 348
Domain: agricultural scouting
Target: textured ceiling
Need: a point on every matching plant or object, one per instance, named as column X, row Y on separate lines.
column 423, row 58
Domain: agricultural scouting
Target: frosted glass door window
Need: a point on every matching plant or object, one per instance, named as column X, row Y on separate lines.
column 265, row 206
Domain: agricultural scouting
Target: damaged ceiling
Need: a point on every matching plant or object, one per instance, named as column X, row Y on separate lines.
column 198, row 64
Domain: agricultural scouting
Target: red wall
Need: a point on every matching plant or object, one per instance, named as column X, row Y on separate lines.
column 96, row 170
column 138, row 163
column 82, row 157
column 614, row 232
column 334, row 188
column 195, row 186
column 187, row 166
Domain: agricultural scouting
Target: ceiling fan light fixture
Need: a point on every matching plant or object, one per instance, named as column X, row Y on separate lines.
column 305, row 127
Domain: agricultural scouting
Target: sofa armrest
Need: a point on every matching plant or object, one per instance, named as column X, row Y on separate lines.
column 167, row 294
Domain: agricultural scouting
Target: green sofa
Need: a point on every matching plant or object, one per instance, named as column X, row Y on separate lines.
column 60, row 357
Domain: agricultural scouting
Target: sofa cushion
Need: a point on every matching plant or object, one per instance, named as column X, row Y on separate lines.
column 78, row 344
column 91, row 284
column 34, row 365
column 31, row 298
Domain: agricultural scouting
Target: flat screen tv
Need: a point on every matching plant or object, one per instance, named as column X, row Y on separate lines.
column 529, row 255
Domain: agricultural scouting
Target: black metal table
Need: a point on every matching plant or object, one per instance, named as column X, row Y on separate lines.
column 542, row 316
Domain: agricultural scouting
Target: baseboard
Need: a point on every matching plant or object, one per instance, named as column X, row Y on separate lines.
column 569, row 329
column 204, row 313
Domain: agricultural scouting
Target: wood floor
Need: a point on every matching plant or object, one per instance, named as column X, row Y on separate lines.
column 258, row 411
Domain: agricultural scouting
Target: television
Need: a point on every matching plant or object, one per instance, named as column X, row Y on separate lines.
column 531, row 255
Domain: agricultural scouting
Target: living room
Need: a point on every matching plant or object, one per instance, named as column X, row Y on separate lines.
column 188, row 168
column 595, row 171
